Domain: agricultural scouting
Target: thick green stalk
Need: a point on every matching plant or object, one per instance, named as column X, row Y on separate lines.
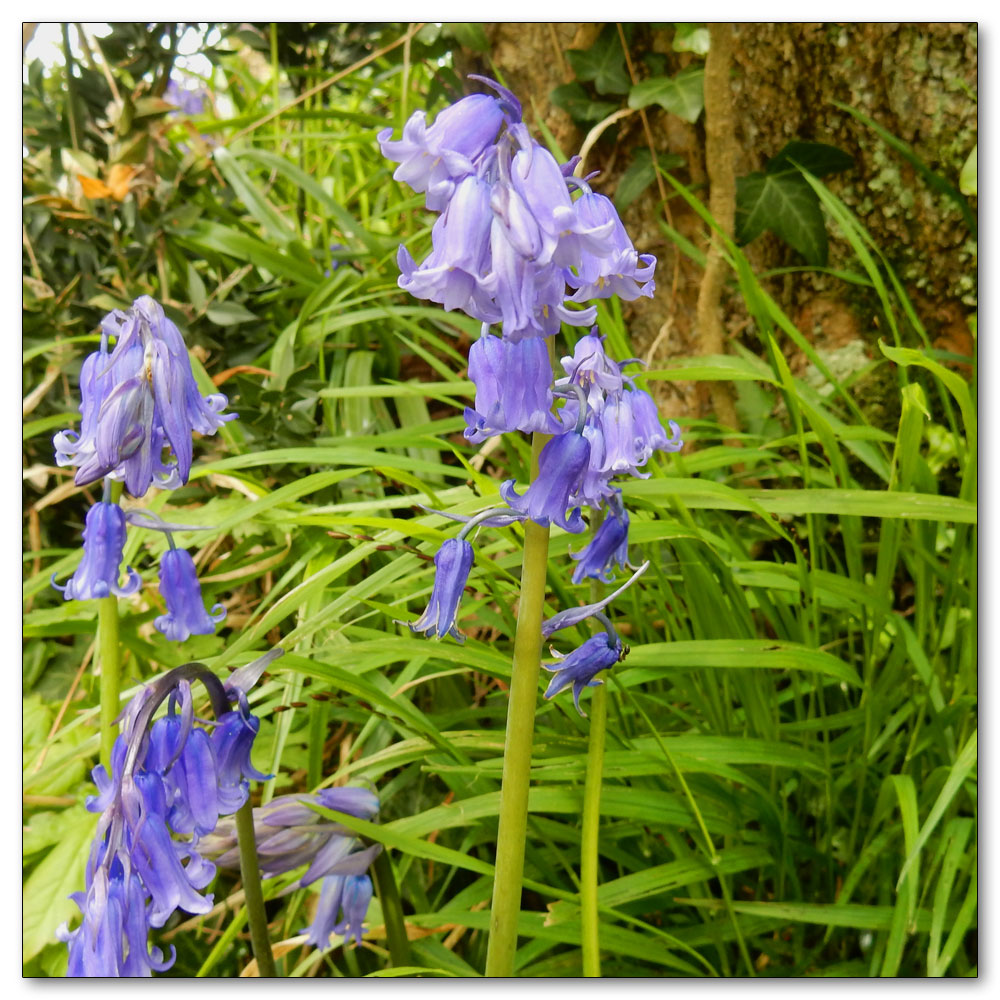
column 392, row 911
column 109, row 654
column 590, row 939
column 109, row 659
column 517, row 749
column 253, row 894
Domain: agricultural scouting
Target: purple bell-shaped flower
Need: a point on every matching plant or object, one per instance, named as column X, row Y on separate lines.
column 103, row 544
column 186, row 614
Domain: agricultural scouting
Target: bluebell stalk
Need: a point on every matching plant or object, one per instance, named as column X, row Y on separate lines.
column 103, row 546
column 166, row 778
column 136, row 400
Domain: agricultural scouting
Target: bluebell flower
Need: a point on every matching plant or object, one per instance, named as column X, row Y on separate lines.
column 452, row 563
column 103, row 545
column 187, row 100
column 136, row 400
column 590, row 368
column 613, row 269
column 598, row 653
column 453, row 275
column 179, row 587
column 232, row 740
column 433, row 159
column 560, row 467
column 356, row 896
column 649, row 432
column 327, row 908
column 167, row 778
column 608, row 546
column 513, row 388
column 622, row 451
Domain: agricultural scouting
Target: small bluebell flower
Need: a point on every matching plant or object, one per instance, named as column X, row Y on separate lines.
column 435, row 158
column 608, row 546
column 136, row 400
column 103, row 545
column 179, row 587
column 354, row 901
column 560, row 467
column 187, row 100
column 513, row 388
column 598, row 653
column 453, row 563
column 616, row 268
column 232, row 740
column 592, row 370
column 621, row 443
column 649, row 432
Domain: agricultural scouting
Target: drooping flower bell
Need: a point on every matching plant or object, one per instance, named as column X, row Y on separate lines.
column 513, row 388
column 103, row 545
column 138, row 399
column 453, row 563
column 289, row 835
column 180, row 589
column 608, row 547
column 598, row 653
column 561, row 465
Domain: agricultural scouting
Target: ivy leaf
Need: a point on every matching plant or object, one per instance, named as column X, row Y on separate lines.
column 819, row 158
column 682, row 94
column 691, row 38
column 640, row 175
column 577, row 103
column 603, row 63
column 785, row 204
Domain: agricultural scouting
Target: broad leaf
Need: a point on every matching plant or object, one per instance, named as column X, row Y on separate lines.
column 682, row 94
column 603, row 64
column 578, row 104
column 785, row 204
column 640, row 175
column 819, row 158
column 691, row 38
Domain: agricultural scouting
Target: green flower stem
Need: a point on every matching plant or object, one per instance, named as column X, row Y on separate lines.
column 109, row 655
column 253, row 894
column 590, row 940
column 110, row 663
column 502, row 945
column 392, row 910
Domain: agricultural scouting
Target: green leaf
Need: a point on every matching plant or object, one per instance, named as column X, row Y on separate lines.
column 968, row 179
column 691, row 38
column 469, row 34
column 819, row 158
column 578, row 104
column 45, row 904
column 603, row 63
column 640, row 174
column 682, row 94
column 785, row 204
column 229, row 314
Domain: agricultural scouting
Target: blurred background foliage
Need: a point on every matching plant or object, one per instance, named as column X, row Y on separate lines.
column 790, row 776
